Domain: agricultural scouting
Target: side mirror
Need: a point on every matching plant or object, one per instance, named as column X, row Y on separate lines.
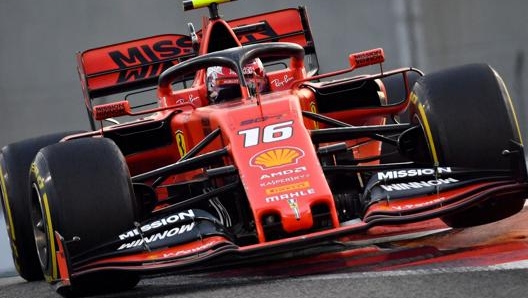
column 122, row 108
column 366, row 58
column 111, row 110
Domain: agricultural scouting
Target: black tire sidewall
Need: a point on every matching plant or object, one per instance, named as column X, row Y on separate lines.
column 38, row 173
column 470, row 120
column 15, row 161
column 89, row 192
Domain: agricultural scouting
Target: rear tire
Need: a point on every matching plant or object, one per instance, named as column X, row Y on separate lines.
column 82, row 190
column 468, row 121
column 15, row 161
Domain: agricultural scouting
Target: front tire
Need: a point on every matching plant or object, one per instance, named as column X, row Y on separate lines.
column 15, row 161
column 82, row 190
column 469, row 121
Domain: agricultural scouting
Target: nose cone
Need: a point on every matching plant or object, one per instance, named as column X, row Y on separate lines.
column 294, row 208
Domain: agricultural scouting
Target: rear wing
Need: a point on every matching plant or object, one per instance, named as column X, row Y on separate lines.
column 136, row 64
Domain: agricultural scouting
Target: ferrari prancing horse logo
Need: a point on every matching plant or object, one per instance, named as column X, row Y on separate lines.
column 180, row 142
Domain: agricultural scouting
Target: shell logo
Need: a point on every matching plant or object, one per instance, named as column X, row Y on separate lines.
column 276, row 157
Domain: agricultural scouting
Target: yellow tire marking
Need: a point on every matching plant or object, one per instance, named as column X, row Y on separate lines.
column 51, row 239
column 510, row 103
column 426, row 127
column 7, row 206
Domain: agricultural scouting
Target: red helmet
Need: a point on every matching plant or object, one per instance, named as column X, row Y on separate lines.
column 222, row 82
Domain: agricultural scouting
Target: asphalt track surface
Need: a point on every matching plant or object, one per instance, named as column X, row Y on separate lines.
column 423, row 261
column 465, row 282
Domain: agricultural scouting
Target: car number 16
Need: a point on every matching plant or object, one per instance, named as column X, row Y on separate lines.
column 269, row 134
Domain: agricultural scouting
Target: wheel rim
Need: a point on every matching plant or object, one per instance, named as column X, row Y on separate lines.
column 39, row 227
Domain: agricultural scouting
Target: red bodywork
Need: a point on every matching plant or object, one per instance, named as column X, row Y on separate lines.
column 266, row 138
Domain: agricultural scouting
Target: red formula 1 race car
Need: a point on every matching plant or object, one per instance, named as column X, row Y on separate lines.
column 249, row 153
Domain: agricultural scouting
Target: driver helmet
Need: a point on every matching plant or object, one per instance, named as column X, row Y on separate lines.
column 222, row 82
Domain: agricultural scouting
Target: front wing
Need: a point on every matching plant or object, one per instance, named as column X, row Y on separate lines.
column 193, row 240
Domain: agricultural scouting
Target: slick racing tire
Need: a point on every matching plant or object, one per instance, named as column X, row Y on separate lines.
column 15, row 161
column 468, row 121
column 82, row 190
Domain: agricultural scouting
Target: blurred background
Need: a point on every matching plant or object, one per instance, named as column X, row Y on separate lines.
column 39, row 86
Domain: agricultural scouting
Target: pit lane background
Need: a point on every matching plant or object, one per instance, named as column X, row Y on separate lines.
column 40, row 91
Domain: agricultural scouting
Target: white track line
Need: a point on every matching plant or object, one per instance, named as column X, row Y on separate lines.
column 5, row 281
column 355, row 275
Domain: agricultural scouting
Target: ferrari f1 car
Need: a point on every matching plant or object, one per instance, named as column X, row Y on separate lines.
column 250, row 153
